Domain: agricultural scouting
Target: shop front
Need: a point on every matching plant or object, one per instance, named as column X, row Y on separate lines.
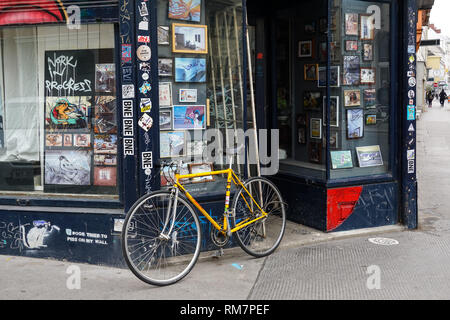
column 97, row 98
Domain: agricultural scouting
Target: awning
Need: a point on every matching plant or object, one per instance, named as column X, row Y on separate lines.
column 424, row 4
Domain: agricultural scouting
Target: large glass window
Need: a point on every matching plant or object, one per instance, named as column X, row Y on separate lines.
column 201, row 84
column 360, row 105
column 58, row 128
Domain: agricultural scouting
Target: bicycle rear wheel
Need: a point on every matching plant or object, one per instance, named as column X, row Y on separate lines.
column 152, row 254
column 262, row 237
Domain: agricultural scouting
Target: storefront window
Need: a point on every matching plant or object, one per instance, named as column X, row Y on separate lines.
column 200, row 82
column 58, row 126
column 360, row 103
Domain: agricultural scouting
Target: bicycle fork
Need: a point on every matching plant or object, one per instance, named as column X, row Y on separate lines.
column 171, row 211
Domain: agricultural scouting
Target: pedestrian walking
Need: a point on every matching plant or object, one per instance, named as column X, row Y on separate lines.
column 442, row 97
column 430, row 98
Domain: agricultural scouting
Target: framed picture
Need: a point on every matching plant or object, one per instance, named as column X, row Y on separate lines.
column 68, row 167
column 105, row 176
column 188, row 38
column 105, row 78
column 165, row 67
column 371, row 119
column 189, row 117
column 105, row 115
column 163, row 36
column 355, row 123
column 105, row 160
column 310, row 72
column 82, row 140
column 316, row 128
column 168, row 175
column 190, row 70
column 201, row 168
column 53, row 140
column 310, row 27
column 369, row 156
column 335, row 52
column 301, row 132
column 301, row 119
column 323, row 51
column 68, row 140
column 369, row 96
column 334, row 110
column 341, row 159
column 105, row 144
column 351, row 24
column 367, row 26
column 165, row 94
column 367, row 52
column 352, row 98
column 172, row 144
column 351, row 72
column 188, row 95
column 188, row 10
column 165, row 119
column 367, row 76
column 311, row 100
column 334, row 140
column 334, row 77
column 315, row 152
column 351, row 45
column 305, row 49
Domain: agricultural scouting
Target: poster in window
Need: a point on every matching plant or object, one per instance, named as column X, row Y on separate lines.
column 369, row 156
column 67, row 112
column 68, row 140
column 105, row 176
column 165, row 94
column 315, row 152
column 367, row 27
column 105, row 144
column 68, row 167
column 201, row 168
column 334, row 111
column 311, row 100
column 341, row 159
column 105, row 115
column 189, row 117
column 352, row 98
column 105, row 160
column 351, row 70
column 369, row 96
column 53, row 140
column 172, row 144
column 82, row 140
column 163, row 35
column 188, row 38
column 105, row 78
column 351, row 24
column 188, row 10
column 190, row 70
column 355, row 123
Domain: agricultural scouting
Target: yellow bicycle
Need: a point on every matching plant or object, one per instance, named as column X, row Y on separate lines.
column 161, row 238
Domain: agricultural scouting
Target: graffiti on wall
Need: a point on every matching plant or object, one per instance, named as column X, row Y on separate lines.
column 35, row 235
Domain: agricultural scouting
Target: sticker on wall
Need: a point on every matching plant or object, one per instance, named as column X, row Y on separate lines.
column 411, row 154
column 128, row 91
column 146, row 122
column 412, row 59
column 143, row 10
column 146, row 105
column 411, row 94
column 411, row 128
column 144, row 67
column 147, row 160
column 412, row 82
column 145, row 88
column 411, row 113
column 411, row 49
column 144, row 39
column 143, row 25
column 145, row 76
column 144, row 53
column 126, row 53
column 411, row 166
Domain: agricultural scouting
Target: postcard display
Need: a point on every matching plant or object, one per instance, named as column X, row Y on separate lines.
column 80, row 121
column 359, row 86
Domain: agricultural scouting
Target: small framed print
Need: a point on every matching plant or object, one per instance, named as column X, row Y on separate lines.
column 355, row 123
column 369, row 156
column 53, row 140
column 351, row 45
column 311, row 72
column 334, row 110
column 311, row 100
column 172, row 144
column 188, row 38
column 352, row 98
column 82, row 140
column 367, row 26
column 334, row 140
column 351, row 24
column 341, row 159
column 316, row 128
column 351, row 71
column 305, row 49
column 367, row 76
column 369, row 96
column 165, row 67
column 310, row 27
column 165, row 119
column 163, row 35
column 165, row 94
column 315, row 152
column 188, row 95
column 68, row 140
column 335, row 78
column 201, row 168
column 371, row 119
column 367, row 52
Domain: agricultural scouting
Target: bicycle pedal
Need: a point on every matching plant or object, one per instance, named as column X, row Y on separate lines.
column 218, row 253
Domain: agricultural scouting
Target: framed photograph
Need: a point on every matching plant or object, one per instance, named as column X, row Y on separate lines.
column 315, row 152
column 163, row 36
column 334, row 110
column 190, row 70
column 67, row 140
column 341, row 159
column 165, row 94
column 301, row 132
column 187, row 10
column 367, row 27
column 351, row 72
column 165, row 67
column 367, row 50
column 82, row 140
column 105, row 144
column 53, row 140
column 335, row 52
column 370, row 98
column 334, row 78
column 201, row 168
column 165, row 119
column 310, row 27
column 369, row 156
column 188, row 95
column 305, row 49
column 351, row 24
column 188, row 38
column 105, row 115
column 367, row 76
column 189, row 117
column 68, row 167
column 105, row 78
column 311, row 100
column 352, row 98
column 316, row 128
column 310, row 72
column 172, row 144
column 69, row 113
column 355, row 123
column 351, row 45
column 105, row 176
column 105, row 160
column 371, row 119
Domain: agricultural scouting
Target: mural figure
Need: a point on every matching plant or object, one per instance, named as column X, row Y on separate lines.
column 31, row 11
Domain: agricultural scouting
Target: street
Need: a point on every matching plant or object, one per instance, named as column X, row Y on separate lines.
column 415, row 266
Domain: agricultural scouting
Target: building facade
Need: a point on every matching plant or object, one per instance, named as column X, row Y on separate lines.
column 96, row 97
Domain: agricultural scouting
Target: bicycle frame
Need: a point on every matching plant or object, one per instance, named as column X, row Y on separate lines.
column 231, row 177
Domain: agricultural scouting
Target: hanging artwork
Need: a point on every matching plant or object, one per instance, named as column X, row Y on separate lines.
column 105, row 115
column 355, row 123
column 190, row 70
column 105, row 78
column 188, row 10
column 67, row 113
column 165, row 119
column 187, row 38
column 105, row 176
column 351, row 71
column 105, row 144
column 68, row 167
column 189, row 117
column 172, row 144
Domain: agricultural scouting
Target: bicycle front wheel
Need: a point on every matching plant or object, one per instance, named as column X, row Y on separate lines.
column 261, row 237
column 155, row 255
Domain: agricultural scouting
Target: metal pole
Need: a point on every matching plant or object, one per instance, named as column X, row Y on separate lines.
column 213, row 74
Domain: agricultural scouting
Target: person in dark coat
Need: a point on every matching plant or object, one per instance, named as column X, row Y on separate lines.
column 430, row 98
column 442, row 97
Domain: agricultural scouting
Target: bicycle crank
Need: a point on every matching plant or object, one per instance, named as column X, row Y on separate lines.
column 218, row 238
